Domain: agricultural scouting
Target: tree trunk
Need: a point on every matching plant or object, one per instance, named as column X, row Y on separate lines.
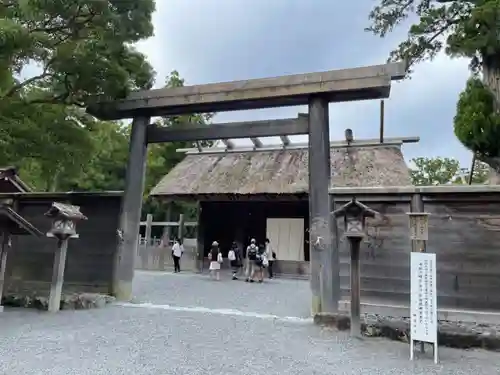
column 491, row 79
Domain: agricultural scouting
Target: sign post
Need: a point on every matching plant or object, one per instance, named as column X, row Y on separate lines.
column 424, row 322
column 423, row 279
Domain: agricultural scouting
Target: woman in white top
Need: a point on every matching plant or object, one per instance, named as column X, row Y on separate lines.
column 177, row 250
column 215, row 258
column 271, row 257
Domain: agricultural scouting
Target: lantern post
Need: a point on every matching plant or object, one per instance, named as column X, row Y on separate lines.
column 64, row 218
column 355, row 214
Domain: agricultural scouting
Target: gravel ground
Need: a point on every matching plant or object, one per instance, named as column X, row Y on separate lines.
column 175, row 336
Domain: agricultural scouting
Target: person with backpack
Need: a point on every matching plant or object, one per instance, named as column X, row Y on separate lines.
column 234, row 256
column 252, row 255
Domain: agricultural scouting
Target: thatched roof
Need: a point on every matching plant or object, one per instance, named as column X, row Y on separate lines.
column 280, row 172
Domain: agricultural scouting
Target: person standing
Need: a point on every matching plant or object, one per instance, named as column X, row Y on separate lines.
column 234, row 256
column 177, row 250
column 271, row 257
column 252, row 259
column 215, row 257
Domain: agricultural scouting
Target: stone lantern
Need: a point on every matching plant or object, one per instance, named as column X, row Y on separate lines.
column 355, row 214
column 64, row 218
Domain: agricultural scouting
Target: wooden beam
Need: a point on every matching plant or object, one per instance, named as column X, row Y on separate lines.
column 285, row 140
column 247, row 129
column 257, row 143
column 170, row 223
column 369, row 82
column 298, row 146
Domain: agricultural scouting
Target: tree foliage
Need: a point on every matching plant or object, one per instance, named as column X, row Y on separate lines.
column 82, row 48
column 480, row 174
column 477, row 123
column 55, row 57
column 441, row 171
column 434, row 171
column 462, row 29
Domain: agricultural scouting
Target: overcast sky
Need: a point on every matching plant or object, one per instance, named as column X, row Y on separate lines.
column 223, row 40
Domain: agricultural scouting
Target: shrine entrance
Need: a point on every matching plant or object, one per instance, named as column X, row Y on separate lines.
column 316, row 90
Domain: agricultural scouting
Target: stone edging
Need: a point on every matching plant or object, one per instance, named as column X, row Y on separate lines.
column 76, row 301
column 459, row 335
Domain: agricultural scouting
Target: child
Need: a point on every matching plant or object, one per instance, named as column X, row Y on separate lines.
column 215, row 258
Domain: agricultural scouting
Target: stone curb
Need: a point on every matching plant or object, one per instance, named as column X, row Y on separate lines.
column 450, row 334
column 77, row 301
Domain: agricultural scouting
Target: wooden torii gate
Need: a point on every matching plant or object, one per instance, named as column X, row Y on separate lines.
column 316, row 90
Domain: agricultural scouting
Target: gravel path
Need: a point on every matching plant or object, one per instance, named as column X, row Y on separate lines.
column 174, row 335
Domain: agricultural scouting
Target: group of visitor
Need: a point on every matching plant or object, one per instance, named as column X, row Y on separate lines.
column 251, row 264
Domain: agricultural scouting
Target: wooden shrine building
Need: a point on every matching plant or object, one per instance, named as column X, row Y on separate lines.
column 262, row 191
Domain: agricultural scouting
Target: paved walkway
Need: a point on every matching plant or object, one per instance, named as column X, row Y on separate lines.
column 187, row 324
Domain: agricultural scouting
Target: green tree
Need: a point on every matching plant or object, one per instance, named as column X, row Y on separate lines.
column 434, row 171
column 106, row 167
column 461, row 28
column 78, row 49
column 480, row 174
column 81, row 47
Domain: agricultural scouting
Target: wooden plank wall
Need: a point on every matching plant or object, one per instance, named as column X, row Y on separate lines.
column 464, row 232
column 385, row 253
column 89, row 261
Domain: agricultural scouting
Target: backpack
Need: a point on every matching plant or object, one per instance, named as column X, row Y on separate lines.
column 252, row 252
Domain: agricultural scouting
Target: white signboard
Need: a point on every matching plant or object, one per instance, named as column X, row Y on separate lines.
column 424, row 319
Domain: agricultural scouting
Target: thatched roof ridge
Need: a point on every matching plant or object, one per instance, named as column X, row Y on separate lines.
column 281, row 172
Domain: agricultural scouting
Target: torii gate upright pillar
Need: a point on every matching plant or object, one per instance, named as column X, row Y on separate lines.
column 130, row 215
column 323, row 253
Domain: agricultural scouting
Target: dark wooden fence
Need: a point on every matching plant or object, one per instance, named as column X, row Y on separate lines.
column 89, row 261
column 464, row 232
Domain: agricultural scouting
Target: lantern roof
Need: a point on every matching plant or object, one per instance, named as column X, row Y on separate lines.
column 66, row 211
column 355, row 206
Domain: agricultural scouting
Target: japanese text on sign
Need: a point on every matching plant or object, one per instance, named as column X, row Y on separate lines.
column 423, row 297
column 419, row 228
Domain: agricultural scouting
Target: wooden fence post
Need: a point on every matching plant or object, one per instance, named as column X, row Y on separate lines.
column 147, row 239
column 180, row 229
column 166, row 238
column 200, row 240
